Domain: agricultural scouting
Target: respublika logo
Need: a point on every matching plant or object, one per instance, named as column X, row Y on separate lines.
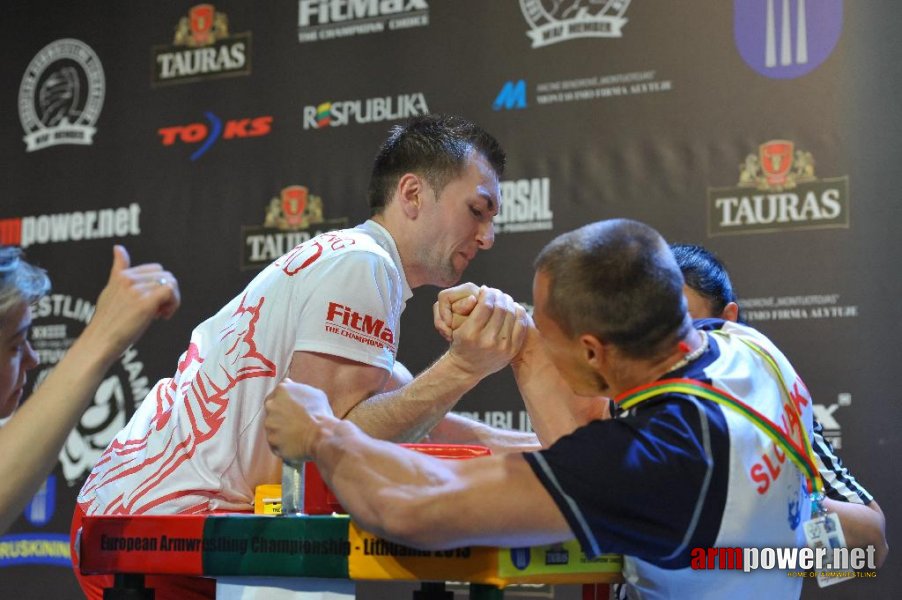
column 512, row 96
column 61, row 95
column 72, row 226
column 553, row 21
column 201, row 49
column 206, row 136
column 778, row 191
column 784, row 39
column 370, row 110
column 331, row 19
column 292, row 218
column 525, row 206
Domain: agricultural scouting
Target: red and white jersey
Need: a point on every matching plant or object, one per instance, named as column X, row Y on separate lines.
column 197, row 443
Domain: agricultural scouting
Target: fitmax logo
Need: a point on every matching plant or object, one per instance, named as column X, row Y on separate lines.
column 512, row 96
column 195, row 133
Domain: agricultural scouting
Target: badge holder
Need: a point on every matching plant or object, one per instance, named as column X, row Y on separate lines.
column 824, row 530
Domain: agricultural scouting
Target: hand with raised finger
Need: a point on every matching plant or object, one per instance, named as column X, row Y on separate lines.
column 131, row 299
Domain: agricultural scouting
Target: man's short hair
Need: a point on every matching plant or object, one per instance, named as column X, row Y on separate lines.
column 434, row 146
column 705, row 274
column 618, row 281
column 19, row 281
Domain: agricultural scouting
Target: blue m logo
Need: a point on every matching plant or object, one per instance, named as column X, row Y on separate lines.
column 512, row 96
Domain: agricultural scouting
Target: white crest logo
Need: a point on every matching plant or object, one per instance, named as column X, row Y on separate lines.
column 61, row 95
column 553, row 21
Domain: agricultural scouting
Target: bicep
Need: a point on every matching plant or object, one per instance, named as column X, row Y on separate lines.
column 346, row 382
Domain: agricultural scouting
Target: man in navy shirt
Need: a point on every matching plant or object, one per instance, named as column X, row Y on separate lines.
column 661, row 478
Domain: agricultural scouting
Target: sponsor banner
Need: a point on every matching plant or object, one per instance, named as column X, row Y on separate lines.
column 61, row 95
column 515, row 95
column 504, row 419
column 361, row 112
column 333, row 19
column 292, row 218
column 785, row 39
column 556, row 21
column 35, row 549
column 827, row 417
column 512, row 96
column 601, row 87
column 106, row 223
column 796, row 308
column 207, row 134
column 778, row 191
column 525, row 206
column 202, row 48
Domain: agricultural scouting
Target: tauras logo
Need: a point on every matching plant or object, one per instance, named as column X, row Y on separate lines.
column 292, row 218
column 370, row 110
column 341, row 318
column 778, row 190
column 72, row 226
column 525, row 206
column 328, row 19
column 202, row 48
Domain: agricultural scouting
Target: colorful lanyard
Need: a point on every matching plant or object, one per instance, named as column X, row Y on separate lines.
column 802, row 457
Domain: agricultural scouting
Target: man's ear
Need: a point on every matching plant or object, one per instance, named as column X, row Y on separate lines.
column 594, row 350
column 730, row 312
column 410, row 194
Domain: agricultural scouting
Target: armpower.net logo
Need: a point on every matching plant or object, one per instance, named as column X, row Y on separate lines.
column 74, row 226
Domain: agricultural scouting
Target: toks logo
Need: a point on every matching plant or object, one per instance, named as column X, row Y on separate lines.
column 202, row 49
column 785, row 39
column 292, row 218
column 553, row 21
column 195, row 133
column 343, row 320
column 777, row 190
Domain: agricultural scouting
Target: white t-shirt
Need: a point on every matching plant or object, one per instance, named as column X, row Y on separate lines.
column 197, row 444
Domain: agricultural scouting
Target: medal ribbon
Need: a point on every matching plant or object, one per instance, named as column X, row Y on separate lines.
column 802, row 457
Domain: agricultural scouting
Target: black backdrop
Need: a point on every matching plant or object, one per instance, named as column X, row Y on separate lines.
column 648, row 110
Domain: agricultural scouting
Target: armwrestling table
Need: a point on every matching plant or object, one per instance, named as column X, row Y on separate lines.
column 323, row 546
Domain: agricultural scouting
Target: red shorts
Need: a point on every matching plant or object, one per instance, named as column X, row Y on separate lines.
column 167, row 587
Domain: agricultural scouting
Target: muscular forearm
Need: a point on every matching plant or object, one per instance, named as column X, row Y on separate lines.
column 386, row 489
column 455, row 429
column 863, row 525
column 409, row 413
column 435, row 504
column 30, row 442
column 553, row 408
